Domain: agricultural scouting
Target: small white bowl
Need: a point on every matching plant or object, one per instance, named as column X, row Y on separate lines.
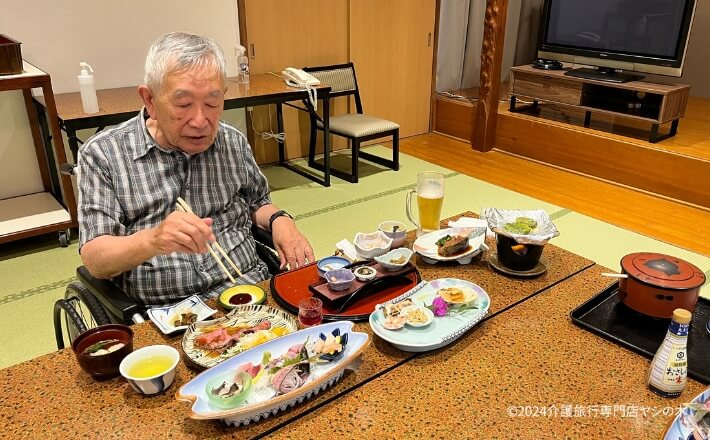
column 372, row 244
column 395, row 259
column 399, row 236
column 161, row 379
column 365, row 273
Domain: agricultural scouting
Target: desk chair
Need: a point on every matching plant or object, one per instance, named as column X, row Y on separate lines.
column 90, row 302
column 357, row 127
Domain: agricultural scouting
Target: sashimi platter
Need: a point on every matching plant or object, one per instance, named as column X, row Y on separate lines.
column 266, row 379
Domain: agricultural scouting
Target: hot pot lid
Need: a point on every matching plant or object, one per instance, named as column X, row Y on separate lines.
column 662, row 270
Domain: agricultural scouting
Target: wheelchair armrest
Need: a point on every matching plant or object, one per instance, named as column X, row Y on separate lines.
column 262, row 236
column 115, row 301
column 265, row 249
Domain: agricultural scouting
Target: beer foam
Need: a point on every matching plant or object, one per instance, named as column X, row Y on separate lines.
column 431, row 190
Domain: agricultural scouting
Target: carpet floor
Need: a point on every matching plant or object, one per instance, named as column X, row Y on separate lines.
column 35, row 272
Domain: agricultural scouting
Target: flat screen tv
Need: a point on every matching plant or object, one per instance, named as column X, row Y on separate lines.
column 648, row 36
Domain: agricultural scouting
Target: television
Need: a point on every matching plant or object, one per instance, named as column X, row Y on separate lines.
column 649, row 36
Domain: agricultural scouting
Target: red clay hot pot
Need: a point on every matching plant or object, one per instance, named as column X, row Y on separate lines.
column 657, row 284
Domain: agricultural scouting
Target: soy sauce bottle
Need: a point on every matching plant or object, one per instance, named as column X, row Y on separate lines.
column 669, row 367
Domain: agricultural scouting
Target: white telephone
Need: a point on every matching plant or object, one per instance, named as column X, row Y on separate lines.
column 298, row 78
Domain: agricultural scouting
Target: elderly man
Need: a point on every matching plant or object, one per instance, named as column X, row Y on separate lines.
column 133, row 174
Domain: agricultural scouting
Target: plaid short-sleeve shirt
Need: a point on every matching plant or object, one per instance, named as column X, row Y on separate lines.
column 128, row 183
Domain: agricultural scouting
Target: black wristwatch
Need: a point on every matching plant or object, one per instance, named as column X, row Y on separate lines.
column 276, row 215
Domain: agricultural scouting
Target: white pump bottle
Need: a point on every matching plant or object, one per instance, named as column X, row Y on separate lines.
column 88, row 89
column 242, row 64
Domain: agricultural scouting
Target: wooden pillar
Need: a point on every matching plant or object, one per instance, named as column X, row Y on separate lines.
column 484, row 124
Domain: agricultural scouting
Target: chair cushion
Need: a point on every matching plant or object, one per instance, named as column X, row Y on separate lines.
column 357, row 125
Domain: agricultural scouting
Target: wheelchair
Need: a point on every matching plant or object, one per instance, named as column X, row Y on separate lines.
column 89, row 302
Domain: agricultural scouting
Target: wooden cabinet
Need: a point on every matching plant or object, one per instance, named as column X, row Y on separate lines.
column 547, row 88
column 54, row 209
column 650, row 102
column 390, row 42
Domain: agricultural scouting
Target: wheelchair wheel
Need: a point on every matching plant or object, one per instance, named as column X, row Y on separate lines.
column 67, row 322
column 76, row 313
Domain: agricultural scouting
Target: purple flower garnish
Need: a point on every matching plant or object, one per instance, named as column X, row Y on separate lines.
column 439, row 306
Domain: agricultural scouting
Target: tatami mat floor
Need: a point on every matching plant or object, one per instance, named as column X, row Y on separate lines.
column 35, row 272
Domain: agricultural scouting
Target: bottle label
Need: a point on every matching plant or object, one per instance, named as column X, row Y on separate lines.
column 244, row 67
column 676, row 367
column 669, row 368
column 679, row 329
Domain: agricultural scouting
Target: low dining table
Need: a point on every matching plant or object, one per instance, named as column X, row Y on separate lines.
column 525, row 371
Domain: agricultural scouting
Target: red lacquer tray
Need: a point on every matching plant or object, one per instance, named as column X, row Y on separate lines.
column 288, row 288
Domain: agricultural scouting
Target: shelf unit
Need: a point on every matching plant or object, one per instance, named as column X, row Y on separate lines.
column 54, row 209
column 650, row 102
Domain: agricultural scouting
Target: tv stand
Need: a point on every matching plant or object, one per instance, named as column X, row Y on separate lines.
column 644, row 101
column 603, row 74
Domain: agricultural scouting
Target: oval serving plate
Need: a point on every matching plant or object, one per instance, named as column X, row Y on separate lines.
column 321, row 377
column 444, row 329
column 426, row 246
column 683, row 424
column 250, row 315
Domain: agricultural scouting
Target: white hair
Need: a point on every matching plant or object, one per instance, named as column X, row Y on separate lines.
column 178, row 52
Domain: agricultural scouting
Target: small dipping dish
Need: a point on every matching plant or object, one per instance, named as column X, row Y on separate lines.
column 395, row 259
column 365, row 273
column 339, row 279
column 243, row 294
column 331, row 263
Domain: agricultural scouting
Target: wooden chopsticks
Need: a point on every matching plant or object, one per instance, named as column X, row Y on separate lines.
column 182, row 205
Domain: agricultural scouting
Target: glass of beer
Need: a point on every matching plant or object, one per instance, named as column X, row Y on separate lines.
column 430, row 198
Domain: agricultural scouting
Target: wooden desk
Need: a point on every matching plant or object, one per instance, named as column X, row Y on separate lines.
column 40, row 213
column 69, row 403
column 118, row 105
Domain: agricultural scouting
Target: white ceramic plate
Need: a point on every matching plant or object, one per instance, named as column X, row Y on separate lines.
column 444, row 329
column 241, row 315
column 163, row 317
column 427, row 248
column 682, row 425
column 322, row 376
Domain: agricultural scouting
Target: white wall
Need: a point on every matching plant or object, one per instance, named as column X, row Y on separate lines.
column 113, row 36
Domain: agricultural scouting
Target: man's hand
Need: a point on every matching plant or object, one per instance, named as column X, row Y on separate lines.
column 293, row 248
column 108, row 256
column 182, row 232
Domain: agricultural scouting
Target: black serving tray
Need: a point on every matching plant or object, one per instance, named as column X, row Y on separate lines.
column 605, row 315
